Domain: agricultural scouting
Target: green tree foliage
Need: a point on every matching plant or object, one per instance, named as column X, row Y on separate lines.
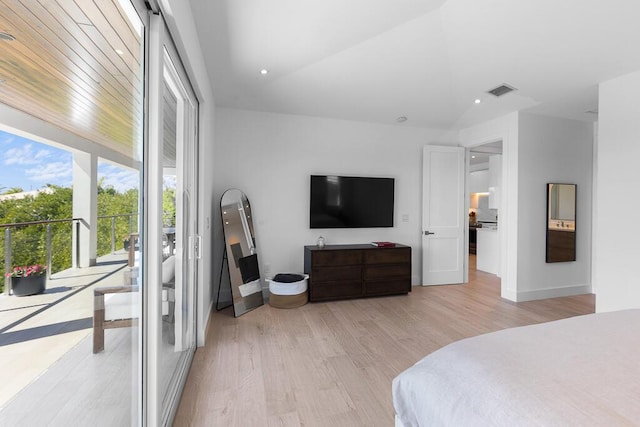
column 12, row 190
column 28, row 242
column 117, row 207
column 169, row 207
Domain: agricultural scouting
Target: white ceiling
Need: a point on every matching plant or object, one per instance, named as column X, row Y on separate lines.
column 480, row 154
column 428, row 60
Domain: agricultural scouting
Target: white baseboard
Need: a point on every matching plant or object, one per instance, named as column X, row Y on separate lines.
column 509, row 294
column 207, row 324
column 563, row 291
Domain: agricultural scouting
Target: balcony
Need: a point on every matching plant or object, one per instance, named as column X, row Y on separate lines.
column 46, row 339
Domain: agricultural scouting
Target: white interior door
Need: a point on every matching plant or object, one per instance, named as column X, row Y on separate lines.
column 443, row 218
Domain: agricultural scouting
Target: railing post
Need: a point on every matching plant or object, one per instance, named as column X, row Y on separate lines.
column 113, row 234
column 7, row 260
column 48, row 251
column 76, row 245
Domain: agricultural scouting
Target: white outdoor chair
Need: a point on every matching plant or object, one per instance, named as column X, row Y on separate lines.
column 118, row 306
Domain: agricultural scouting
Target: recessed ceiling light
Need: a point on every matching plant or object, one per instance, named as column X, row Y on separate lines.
column 477, row 101
column 6, row 36
column 119, row 52
column 401, row 119
column 473, row 157
column 264, row 71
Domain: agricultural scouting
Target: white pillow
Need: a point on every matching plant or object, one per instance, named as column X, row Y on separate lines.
column 169, row 269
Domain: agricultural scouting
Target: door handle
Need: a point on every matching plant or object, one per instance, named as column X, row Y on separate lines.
column 427, row 233
column 198, row 247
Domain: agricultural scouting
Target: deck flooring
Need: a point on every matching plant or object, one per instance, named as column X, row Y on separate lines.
column 37, row 331
column 55, row 378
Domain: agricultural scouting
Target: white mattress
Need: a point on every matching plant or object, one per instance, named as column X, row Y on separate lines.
column 579, row 371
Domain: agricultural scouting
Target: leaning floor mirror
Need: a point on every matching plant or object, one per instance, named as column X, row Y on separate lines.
column 240, row 250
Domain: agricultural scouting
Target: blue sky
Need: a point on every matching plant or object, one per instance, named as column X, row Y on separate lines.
column 30, row 165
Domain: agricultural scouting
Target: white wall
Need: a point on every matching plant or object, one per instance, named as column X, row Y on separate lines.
column 179, row 19
column 271, row 156
column 618, row 186
column 552, row 150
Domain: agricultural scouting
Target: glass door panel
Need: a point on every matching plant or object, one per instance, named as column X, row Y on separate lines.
column 73, row 354
column 172, row 304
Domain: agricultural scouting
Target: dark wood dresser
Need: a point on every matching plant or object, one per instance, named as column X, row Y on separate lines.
column 355, row 271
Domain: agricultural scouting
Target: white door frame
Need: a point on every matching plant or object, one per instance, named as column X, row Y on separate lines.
column 506, row 129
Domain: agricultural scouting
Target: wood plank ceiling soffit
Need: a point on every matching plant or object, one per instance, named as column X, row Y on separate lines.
column 77, row 65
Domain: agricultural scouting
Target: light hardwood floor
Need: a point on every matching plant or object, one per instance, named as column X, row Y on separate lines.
column 331, row 364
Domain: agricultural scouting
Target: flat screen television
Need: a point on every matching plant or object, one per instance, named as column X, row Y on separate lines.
column 351, row 202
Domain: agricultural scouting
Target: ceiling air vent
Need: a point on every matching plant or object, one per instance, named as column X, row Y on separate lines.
column 501, row 90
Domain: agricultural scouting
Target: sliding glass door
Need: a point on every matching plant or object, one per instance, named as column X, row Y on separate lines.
column 173, row 242
column 73, row 116
column 96, row 98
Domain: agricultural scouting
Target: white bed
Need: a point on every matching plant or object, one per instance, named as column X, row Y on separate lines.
column 579, row 371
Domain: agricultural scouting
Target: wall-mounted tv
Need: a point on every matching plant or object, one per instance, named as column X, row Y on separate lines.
column 351, row 202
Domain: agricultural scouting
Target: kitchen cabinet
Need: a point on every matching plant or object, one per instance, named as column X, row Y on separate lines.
column 479, row 181
column 495, row 181
column 487, row 250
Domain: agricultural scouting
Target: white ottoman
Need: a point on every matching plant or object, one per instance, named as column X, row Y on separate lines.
column 287, row 293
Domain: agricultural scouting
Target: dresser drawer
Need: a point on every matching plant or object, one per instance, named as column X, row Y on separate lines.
column 387, row 271
column 335, row 290
column 334, row 274
column 388, row 287
column 388, row 256
column 330, row 258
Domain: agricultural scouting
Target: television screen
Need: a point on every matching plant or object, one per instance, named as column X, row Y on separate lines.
column 351, row 202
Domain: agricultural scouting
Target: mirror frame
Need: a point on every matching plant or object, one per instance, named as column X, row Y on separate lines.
column 560, row 232
column 241, row 256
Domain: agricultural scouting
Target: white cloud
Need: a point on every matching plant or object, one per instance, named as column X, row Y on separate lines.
column 25, row 155
column 121, row 179
column 169, row 181
column 42, row 154
column 6, row 138
column 53, row 172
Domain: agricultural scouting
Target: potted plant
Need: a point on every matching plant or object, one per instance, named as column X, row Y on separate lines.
column 28, row 279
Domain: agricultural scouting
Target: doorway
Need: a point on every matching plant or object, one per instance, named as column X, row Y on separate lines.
column 484, row 190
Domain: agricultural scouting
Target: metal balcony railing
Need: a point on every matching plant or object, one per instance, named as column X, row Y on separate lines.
column 104, row 244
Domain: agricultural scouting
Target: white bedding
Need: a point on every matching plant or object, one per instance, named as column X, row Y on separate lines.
column 579, row 371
